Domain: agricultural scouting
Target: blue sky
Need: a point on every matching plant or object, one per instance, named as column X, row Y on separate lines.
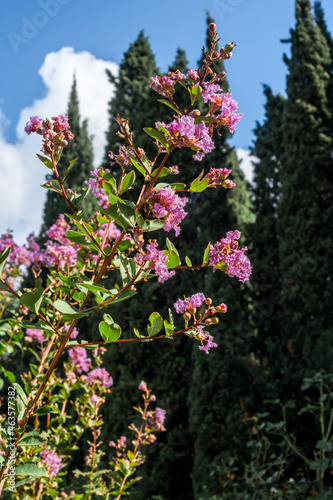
column 37, row 69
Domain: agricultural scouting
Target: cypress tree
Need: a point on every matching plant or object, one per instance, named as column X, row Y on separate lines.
column 305, row 208
column 133, row 99
column 263, row 238
column 80, row 148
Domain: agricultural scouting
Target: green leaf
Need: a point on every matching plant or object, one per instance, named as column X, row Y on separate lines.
column 3, row 257
column 152, row 225
column 324, row 445
column 195, row 93
column 30, row 469
column 52, row 185
column 76, row 237
column 122, row 214
column 168, row 329
column 127, row 294
column 178, row 185
column 46, row 410
column 206, row 255
column 31, row 439
column 158, row 135
column 69, row 168
column 156, row 324
column 32, row 300
column 97, row 289
column 138, row 166
column 109, row 333
column 199, row 185
column 68, row 309
column 137, row 333
column 21, row 393
column 10, row 376
column 47, row 162
column 320, row 464
column 171, row 320
column 172, row 106
column 127, row 181
column 172, row 260
column 188, row 261
column 206, row 119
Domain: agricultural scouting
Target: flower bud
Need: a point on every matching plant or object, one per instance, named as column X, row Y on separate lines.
column 223, row 74
column 187, row 316
column 215, row 321
column 212, row 311
column 221, row 308
column 208, row 301
column 212, row 27
column 208, row 321
column 229, row 47
column 195, row 113
column 215, row 55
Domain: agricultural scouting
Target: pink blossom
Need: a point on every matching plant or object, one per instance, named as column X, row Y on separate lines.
column 143, row 386
column 228, row 257
column 32, row 125
column 168, row 205
column 96, row 185
column 52, row 461
column 100, row 374
column 32, row 334
column 189, row 303
column 58, row 229
column 209, row 344
column 157, row 261
column 80, row 359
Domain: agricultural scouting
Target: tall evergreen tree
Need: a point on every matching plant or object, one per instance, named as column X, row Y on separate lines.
column 133, row 99
column 263, row 240
column 80, row 148
column 305, row 208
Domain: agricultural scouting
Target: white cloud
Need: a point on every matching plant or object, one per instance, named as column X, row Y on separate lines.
column 21, row 197
column 246, row 164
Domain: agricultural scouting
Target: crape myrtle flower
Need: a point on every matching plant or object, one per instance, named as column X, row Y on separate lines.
column 96, row 185
column 55, row 135
column 51, row 460
column 185, row 133
column 168, row 205
column 156, row 260
column 189, row 303
column 100, row 375
column 80, row 359
column 143, row 386
column 227, row 256
column 223, row 103
column 32, row 334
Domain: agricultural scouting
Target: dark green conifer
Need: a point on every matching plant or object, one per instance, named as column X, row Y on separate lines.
column 133, row 99
column 305, row 208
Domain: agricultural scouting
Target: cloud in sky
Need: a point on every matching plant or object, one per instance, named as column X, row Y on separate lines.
column 21, row 197
column 246, row 162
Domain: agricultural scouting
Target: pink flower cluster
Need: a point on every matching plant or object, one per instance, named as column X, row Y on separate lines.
column 80, row 359
column 156, row 260
column 183, row 132
column 55, row 135
column 52, row 461
column 224, row 104
column 100, row 375
column 189, row 303
column 168, row 205
column 96, row 185
column 32, row 334
column 227, row 256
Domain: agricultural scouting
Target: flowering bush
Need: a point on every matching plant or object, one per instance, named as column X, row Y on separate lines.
column 64, row 389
